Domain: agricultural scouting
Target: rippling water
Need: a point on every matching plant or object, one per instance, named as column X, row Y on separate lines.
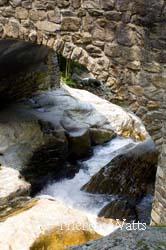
column 68, row 190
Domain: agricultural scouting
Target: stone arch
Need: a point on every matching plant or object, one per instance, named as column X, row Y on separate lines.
column 25, row 67
column 121, row 42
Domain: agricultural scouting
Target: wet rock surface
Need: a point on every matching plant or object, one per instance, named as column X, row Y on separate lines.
column 125, row 209
column 54, row 129
column 119, row 209
column 128, row 174
column 41, row 134
column 131, row 176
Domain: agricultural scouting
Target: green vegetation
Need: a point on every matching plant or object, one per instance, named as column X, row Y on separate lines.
column 143, row 245
column 67, row 68
column 67, row 80
column 122, row 103
column 161, row 243
column 59, row 239
column 159, row 226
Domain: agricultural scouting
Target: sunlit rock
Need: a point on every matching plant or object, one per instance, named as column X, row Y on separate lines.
column 22, row 229
column 12, row 185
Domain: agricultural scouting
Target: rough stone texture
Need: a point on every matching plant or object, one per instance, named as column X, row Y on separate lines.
column 60, row 239
column 13, row 205
column 11, row 185
column 128, row 174
column 24, row 69
column 139, row 211
column 119, row 209
column 40, row 134
column 159, row 206
column 152, row 238
column 128, row 36
column 19, row 139
column 121, row 43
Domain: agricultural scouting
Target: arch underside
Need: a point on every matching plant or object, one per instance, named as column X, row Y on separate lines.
column 122, row 43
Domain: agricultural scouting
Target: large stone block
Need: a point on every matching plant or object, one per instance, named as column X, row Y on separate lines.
column 21, row 13
column 70, row 24
column 47, row 26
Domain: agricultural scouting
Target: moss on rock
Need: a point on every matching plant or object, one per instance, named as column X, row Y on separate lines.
column 60, row 239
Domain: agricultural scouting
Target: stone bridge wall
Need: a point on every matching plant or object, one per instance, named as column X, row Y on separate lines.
column 25, row 68
column 122, row 42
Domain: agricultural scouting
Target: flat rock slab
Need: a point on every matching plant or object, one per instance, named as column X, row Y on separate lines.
column 150, row 239
column 23, row 228
column 11, row 185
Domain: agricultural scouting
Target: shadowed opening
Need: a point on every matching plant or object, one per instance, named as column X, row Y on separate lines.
column 24, row 68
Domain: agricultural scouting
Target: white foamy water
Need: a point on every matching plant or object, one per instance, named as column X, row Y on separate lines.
column 69, row 190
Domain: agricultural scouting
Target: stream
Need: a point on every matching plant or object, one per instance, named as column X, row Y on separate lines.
column 69, row 190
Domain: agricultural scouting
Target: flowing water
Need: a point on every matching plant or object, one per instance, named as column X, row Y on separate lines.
column 69, row 190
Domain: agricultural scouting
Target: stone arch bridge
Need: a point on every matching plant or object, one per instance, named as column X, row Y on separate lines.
column 122, row 42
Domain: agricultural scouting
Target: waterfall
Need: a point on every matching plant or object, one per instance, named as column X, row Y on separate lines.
column 69, row 190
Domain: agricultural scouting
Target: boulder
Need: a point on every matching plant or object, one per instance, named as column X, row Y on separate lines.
column 150, row 238
column 144, row 209
column 101, row 114
column 12, row 185
column 54, row 116
column 80, row 143
column 19, row 139
column 100, row 136
column 13, row 205
column 58, row 239
column 31, row 146
column 128, row 174
column 47, row 163
column 2, row 2
column 119, row 209
column 39, row 135
column 40, row 216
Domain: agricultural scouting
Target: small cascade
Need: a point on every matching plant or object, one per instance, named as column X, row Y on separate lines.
column 69, row 190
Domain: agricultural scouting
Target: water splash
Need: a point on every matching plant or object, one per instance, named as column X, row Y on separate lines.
column 69, row 190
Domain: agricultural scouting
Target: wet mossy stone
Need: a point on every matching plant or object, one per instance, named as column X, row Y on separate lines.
column 60, row 239
column 100, row 136
column 119, row 209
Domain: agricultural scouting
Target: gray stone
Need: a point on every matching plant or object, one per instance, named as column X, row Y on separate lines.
column 131, row 34
column 125, row 35
column 101, row 136
column 70, row 24
column 54, row 16
column 107, row 4
column 15, row 3
column 119, row 209
column 149, row 238
column 2, row 2
column 79, row 143
column 113, row 15
column 47, row 26
column 128, row 174
column 21, row 13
